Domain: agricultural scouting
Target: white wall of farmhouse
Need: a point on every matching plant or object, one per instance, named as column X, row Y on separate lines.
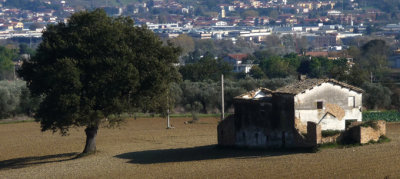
column 328, row 104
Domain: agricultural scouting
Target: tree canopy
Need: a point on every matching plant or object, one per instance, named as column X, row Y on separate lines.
column 185, row 42
column 6, row 63
column 373, row 59
column 206, row 68
column 94, row 67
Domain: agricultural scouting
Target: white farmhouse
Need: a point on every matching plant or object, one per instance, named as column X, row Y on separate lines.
column 327, row 102
column 295, row 116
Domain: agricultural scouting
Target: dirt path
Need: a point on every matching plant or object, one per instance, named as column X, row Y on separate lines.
column 143, row 148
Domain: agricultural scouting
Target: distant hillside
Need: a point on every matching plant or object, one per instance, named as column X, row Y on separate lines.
column 389, row 6
column 384, row 5
column 34, row 4
column 100, row 3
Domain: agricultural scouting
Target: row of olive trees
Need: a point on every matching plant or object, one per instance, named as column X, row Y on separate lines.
column 193, row 49
column 205, row 96
column 6, row 63
column 186, row 96
column 15, row 99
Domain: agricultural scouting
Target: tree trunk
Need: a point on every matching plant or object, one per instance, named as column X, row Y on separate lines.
column 90, row 146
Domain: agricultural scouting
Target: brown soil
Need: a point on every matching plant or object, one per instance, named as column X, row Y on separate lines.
column 143, row 148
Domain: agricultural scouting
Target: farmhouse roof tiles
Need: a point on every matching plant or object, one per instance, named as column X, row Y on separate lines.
column 294, row 88
column 256, row 94
column 303, row 85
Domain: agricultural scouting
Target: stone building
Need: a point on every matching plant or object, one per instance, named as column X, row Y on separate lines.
column 324, row 101
column 291, row 116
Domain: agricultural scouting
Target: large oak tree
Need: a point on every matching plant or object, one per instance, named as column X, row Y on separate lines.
column 94, row 67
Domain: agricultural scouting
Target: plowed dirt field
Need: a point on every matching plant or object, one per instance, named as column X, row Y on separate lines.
column 143, row 148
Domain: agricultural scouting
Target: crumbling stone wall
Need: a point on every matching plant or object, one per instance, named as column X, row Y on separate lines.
column 302, row 128
column 356, row 133
column 258, row 137
column 363, row 135
column 226, row 131
column 370, row 134
column 314, row 135
column 382, row 127
column 258, row 123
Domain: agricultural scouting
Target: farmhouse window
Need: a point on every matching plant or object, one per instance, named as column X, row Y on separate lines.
column 320, row 104
column 351, row 101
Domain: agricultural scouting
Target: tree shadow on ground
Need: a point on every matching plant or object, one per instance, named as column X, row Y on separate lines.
column 36, row 160
column 202, row 153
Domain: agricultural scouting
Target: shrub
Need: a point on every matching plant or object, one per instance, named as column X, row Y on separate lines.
column 389, row 116
column 383, row 139
column 371, row 124
column 9, row 98
column 329, row 133
column 16, row 99
column 376, row 96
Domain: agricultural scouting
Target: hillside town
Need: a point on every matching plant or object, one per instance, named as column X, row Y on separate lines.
column 327, row 25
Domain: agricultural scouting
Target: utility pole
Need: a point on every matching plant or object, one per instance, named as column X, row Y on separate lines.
column 168, row 122
column 222, row 98
column 14, row 77
column 14, row 72
column 372, row 77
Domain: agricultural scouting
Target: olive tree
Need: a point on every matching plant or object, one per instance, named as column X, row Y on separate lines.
column 6, row 63
column 9, row 97
column 94, row 67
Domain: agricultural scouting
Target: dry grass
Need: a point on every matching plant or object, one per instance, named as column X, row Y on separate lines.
column 143, row 148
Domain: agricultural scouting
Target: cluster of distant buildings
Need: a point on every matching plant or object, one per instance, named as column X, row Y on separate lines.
column 27, row 23
column 296, row 13
column 320, row 36
column 323, row 33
